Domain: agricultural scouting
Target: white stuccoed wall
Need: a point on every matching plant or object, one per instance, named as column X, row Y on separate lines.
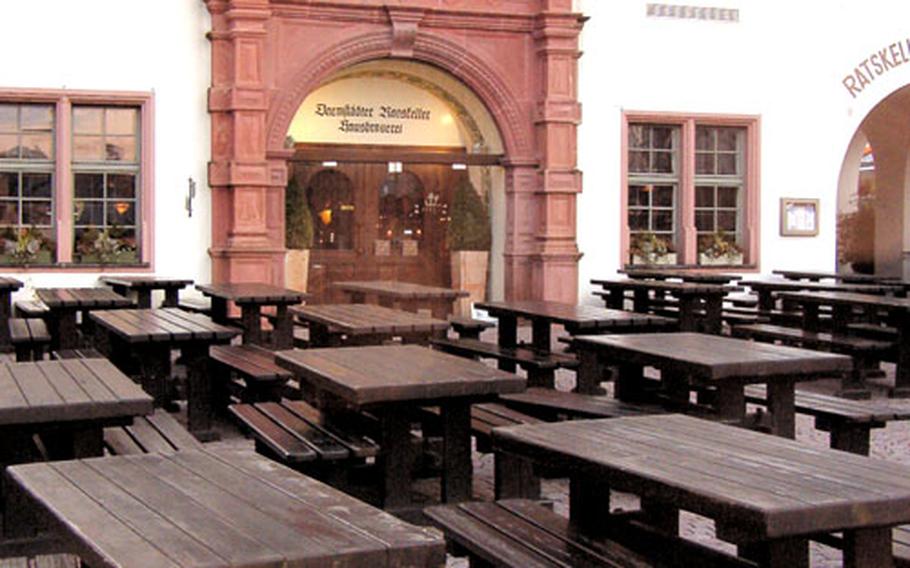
column 129, row 45
column 781, row 61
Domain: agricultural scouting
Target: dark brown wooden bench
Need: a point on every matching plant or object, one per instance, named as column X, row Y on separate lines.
column 522, row 533
column 469, row 328
column 30, row 309
column 864, row 351
column 540, row 367
column 296, row 434
column 29, row 338
column 553, row 404
column 196, row 305
column 849, row 422
column 157, row 433
column 250, row 372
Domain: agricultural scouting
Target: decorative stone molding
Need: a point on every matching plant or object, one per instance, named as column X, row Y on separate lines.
column 404, row 30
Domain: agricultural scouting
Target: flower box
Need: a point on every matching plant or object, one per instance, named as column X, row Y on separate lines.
column 664, row 259
column 727, row 260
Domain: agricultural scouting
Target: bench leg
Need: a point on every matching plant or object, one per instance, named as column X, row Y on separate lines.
column 544, row 378
column 589, row 374
column 853, row 438
column 782, row 406
column 865, row 548
column 395, row 465
column 789, row 552
column 629, row 383
column 853, row 385
column 508, row 337
column 514, row 477
column 456, row 454
column 23, row 353
column 589, row 504
column 199, row 396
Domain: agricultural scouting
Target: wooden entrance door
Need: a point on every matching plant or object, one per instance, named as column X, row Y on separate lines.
column 383, row 220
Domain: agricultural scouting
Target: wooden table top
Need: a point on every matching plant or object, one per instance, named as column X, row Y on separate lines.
column 848, row 298
column 252, row 293
column 701, row 276
column 368, row 319
column 67, row 391
column 400, row 290
column 392, row 373
column 162, row 324
column 582, row 317
column 754, row 485
column 712, row 357
column 817, row 275
column 8, row 283
column 82, row 298
column 152, row 282
column 202, row 508
column 784, row 284
column 662, row 285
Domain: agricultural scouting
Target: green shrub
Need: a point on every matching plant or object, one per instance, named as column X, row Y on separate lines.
column 469, row 228
column 298, row 221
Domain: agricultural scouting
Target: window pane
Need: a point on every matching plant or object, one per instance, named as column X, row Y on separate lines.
column 37, row 117
column 727, row 138
column 727, row 196
column 704, row 221
column 121, row 185
column 120, row 148
column 662, row 137
column 8, row 118
column 9, row 146
column 88, row 148
column 638, row 220
column 662, row 220
column 36, row 213
column 38, row 146
column 36, row 185
column 89, row 185
column 121, row 121
column 726, row 164
column 726, row 221
column 88, row 212
column 704, row 196
column 638, row 162
column 638, row 136
column 121, row 213
column 87, row 120
column 704, row 164
column 9, row 213
column 663, row 196
column 638, row 195
column 663, row 163
column 9, row 184
column 703, row 139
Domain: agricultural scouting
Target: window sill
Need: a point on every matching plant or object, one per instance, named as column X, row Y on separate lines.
column 751, row 267
column 75, row 267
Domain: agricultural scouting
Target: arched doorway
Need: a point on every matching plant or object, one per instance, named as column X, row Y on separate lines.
column 873, row 227
column 379, row 149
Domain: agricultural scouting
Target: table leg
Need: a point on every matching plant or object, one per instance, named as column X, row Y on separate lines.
column 590, row 373
column 540, row 335
column 144, row 299
column 714, row 305
column 154, row 360
column 395, row 465
column 840, row 317
column 15, row 448
column 589, row 504
column 514, row 478
column 219, row 310
column 78, row 443
column 641, row 301
column 5, row 313
column 765, row 301
column 731, row 401
column 283, row 333
column 63, row 329
column 810, row 317
column 171, row 298
column 456, row 453
column 660, row 515
column 781, row 405
column 200, row 394
column 508, row 337
column 629, row 383
column 902, row 374
column 615, row 299
column 688, row 306
column 779, row 553
column 867, row 548
column 251, row 320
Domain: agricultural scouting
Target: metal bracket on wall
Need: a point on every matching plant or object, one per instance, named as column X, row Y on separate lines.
column 190, row 194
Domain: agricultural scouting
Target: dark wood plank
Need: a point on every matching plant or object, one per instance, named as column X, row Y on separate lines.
column 288, row 447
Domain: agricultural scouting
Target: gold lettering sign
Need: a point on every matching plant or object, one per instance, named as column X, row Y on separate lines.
column 876, row 65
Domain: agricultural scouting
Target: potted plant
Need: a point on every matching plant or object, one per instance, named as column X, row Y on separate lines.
column 719, row 249
column 298, row 236
column 26, row 245
column 469, row 241
column 108, row 246
column 649, row 248
column 855, row 246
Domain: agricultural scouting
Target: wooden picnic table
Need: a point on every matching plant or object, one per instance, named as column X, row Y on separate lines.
column 697, row 276
column 700, row 305
column 765, row 494
column 63, row 303
column 146, row 338
column 7, row 287
column 688, row 360
column 843, row 305
column 402, row 295
column 817, row 276
column 252, row 297
column 214, row 509
column 365, row 324
column 143, row 286
column 393, row 381
column 69, row 402
column 766, row 288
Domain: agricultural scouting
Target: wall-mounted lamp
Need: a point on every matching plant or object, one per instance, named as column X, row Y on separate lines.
column 190, row 194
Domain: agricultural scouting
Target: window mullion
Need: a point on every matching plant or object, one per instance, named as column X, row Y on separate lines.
column 687, row 233
column 64, row 181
